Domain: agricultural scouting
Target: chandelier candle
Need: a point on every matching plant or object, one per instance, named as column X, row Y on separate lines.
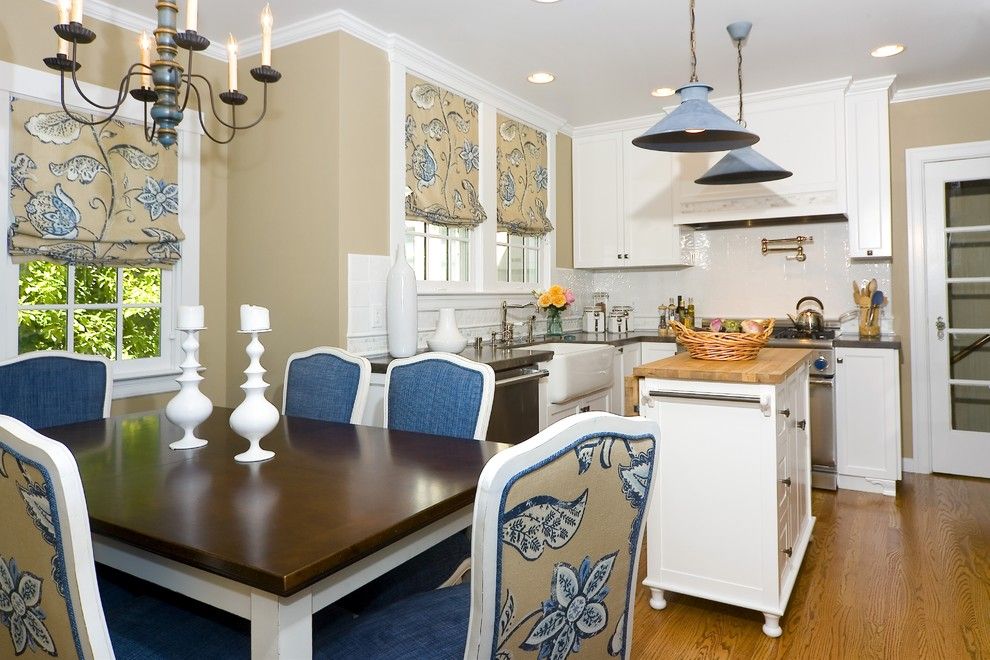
column 161, row 80
column 266, row 36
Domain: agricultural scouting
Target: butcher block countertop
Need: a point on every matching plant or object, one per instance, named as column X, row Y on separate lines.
column 771, row 367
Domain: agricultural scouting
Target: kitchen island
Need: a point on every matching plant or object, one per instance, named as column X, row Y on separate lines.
column 731, row 519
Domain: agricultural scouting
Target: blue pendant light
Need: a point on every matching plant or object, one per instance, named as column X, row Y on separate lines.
column 744, row 165
column 695, row 125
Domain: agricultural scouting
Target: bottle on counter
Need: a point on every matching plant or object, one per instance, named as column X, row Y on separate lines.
column 690, row 313
column 681, row 309
column 671, row 311
column 662, row 320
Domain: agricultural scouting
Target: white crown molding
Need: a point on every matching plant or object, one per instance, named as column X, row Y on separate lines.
column 941, row 89
column 643, row 122
column 129, row 20
column 867, row 85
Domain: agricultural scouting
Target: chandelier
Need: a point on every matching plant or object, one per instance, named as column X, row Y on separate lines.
column 161, row 83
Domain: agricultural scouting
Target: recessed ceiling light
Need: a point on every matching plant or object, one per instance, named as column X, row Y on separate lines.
column 663, row 91
column 540, row 77
column 888, row 50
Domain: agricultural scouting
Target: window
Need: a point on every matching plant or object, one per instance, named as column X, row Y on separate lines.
column 518, row 258
column 113, row 312
column 436, row 253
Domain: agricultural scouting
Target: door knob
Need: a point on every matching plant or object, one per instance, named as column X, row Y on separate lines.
column 786, row 412
column 801, row 424
column 940, row 328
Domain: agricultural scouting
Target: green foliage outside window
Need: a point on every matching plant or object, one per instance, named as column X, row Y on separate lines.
column 94, row 330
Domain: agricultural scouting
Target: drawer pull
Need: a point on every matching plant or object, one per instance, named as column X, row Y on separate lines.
column 788, row 551
column 585, row 409
column 786, row 412
column 786, row 482
column 802, row 424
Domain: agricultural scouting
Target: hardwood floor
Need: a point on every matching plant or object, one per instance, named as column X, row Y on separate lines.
column 883, row 578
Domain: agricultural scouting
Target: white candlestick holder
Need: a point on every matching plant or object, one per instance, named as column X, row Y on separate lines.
column 190, row 407
column 255, row 417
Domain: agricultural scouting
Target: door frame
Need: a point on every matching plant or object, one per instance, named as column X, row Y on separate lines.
column 916, row 160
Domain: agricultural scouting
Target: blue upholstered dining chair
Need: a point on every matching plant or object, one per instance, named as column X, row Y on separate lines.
column 50, row 388
column 442, row 394
column 439, row 393
column 558, row 526
column 55, row 605
column 326, row 383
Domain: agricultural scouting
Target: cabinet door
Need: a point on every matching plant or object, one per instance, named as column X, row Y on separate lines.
column 597, row 201
column 650, row 236
column 803, row 133
column 868, row 171
column 867, row 413
column 626, row 359
column 653, row 351
column 802, row 451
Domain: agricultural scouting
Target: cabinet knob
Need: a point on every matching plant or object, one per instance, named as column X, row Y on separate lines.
column 786, row 412
column 625, row 256
column 802, row 424
column 838, row 360
column 618, row 256
column 786, row 482
column 585, row 409
column 869, row 253
column 788, row 551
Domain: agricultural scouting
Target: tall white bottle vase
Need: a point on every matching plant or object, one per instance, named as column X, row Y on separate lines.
column 401, row 307
column 255, row 417
column 190, row 407
column 447, row 337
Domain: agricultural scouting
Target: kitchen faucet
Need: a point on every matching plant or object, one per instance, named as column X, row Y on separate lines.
column 505, row 334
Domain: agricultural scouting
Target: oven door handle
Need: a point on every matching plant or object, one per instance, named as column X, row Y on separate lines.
column 524, row 378
column 824, row 382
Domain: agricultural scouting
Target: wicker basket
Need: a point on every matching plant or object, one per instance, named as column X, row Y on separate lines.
column 726, row 346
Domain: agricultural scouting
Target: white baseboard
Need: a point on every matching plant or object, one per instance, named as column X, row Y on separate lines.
column 908, row 465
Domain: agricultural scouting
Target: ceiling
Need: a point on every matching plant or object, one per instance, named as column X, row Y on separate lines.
column 608, row 54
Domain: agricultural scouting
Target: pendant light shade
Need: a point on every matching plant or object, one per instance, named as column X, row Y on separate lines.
column 696, row 126
column 744, row 165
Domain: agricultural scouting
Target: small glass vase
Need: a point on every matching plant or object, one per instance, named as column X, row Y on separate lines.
column 555, row 327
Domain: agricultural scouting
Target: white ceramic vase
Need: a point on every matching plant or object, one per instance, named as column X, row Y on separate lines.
column 447, row 337
column 190, row 407
column 401, row 307
column 255, row 417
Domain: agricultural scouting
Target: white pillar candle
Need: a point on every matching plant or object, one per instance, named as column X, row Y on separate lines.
column 63, row 7
column 191, row 10
column 76, row 14
column 266, row 36
column 254, row 318
column 231, row 63
column 191, row 317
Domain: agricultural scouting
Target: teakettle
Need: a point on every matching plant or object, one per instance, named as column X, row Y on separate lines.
column 809, row 320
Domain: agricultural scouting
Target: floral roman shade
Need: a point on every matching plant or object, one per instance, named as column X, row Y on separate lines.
column 97, row 195
column 522, row 178
column 441, row 156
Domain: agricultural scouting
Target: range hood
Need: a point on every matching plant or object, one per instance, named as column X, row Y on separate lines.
column 768, row 222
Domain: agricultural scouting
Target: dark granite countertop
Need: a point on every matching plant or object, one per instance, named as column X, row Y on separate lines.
column 615, row 339
column 855, row 341
column 500, row 359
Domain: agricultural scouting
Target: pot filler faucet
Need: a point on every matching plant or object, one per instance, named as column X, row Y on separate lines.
column 505, row 334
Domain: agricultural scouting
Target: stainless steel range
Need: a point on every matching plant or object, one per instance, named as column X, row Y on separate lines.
column 821, row 385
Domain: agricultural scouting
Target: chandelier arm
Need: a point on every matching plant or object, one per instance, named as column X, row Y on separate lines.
column 149, row 135
column 741, row 121
column 78, row 118
column 122, row 91
column 188, row 78
column 234, row 125
column 202, row 124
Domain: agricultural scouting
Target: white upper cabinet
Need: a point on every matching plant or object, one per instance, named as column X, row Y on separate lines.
column 868, row 167
column 800, row 130
column 623, row 204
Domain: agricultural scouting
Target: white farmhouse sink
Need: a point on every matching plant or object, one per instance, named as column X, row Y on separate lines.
column 577, row 369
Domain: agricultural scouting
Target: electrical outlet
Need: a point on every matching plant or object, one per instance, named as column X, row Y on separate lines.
column 377, row 318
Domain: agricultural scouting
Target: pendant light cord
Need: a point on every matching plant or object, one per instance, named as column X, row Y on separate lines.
column 694, row 56
column 740, row 121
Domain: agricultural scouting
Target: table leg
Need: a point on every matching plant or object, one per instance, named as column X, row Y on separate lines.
column 281, row 628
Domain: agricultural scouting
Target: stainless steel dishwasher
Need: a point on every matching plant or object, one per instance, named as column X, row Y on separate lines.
column 516, row 405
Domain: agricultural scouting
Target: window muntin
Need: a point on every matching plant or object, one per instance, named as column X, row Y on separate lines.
column 517, row 258
column 437, row 253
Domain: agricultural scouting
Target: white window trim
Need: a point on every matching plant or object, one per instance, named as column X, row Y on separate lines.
column 183, row 289
column 405, row 58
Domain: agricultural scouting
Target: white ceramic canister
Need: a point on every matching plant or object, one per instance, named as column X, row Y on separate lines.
column 401, row 306
column 447, row 337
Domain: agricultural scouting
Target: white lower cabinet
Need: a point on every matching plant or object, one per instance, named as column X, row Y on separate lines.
column 601, row 400
column 867, row 419
column 731, row 519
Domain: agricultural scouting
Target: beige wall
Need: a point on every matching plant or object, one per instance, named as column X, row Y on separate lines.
column 564, row 231
column 945, row 120
column 25, row 38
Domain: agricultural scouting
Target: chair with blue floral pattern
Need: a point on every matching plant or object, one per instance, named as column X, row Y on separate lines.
column 326, row 383
column 558, row 527
column 51, row 388
column 51, row 601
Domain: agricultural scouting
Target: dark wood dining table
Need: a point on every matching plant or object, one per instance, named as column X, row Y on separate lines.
column 274, row 541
